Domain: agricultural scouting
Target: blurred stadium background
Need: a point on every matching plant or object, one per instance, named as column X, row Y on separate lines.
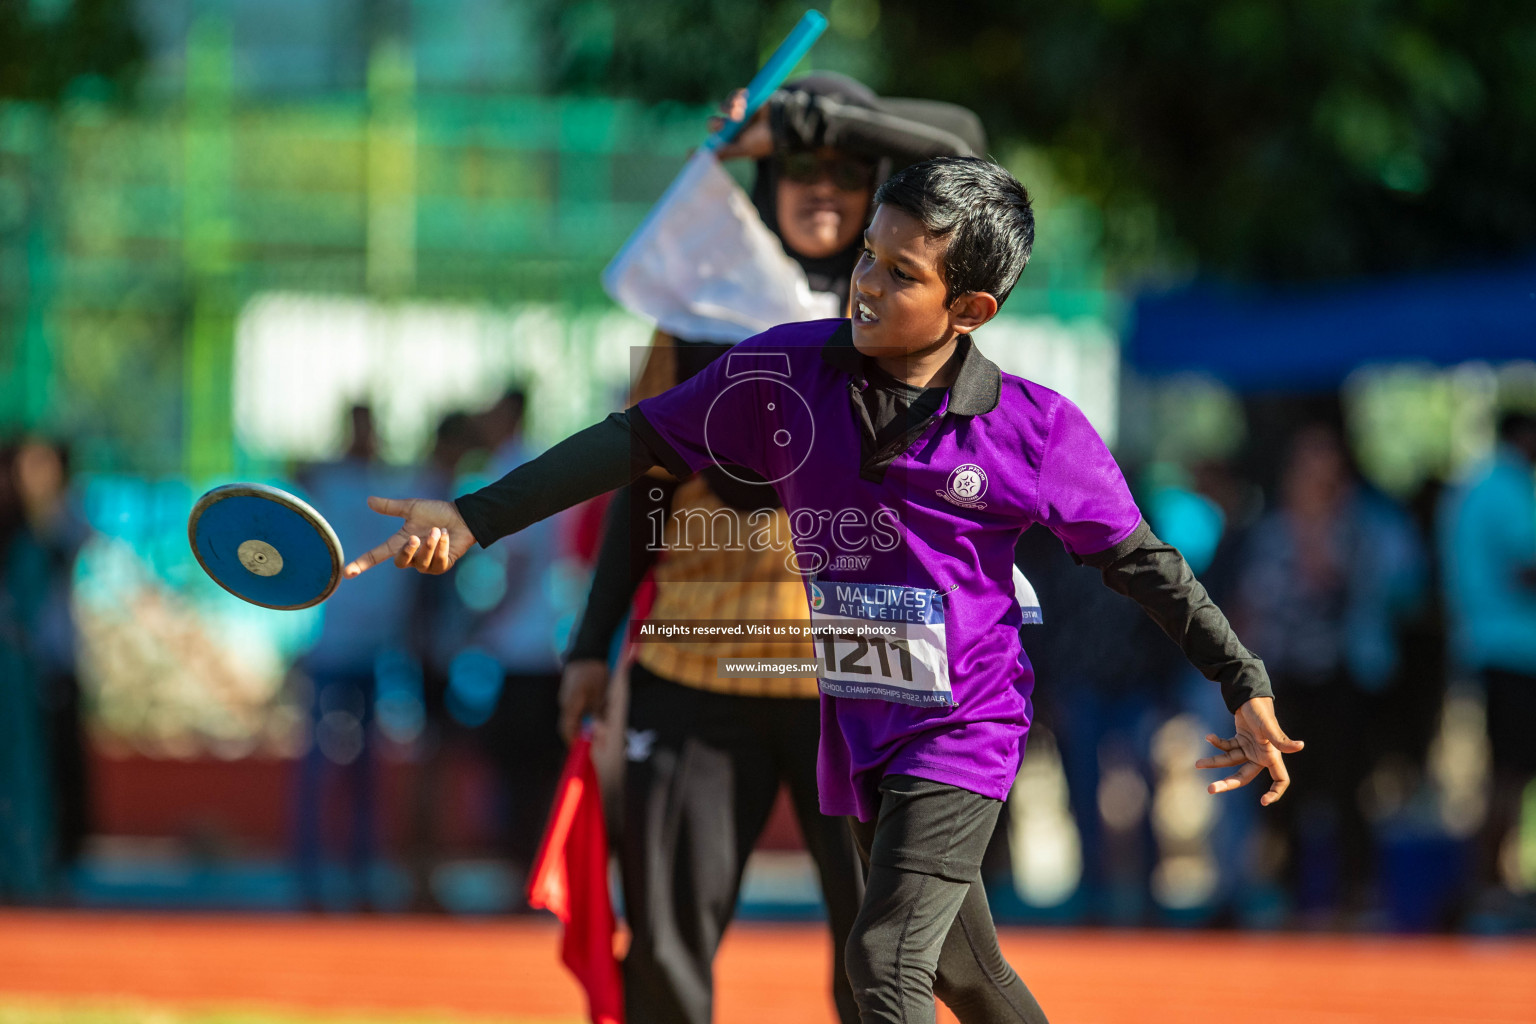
column 226, row 223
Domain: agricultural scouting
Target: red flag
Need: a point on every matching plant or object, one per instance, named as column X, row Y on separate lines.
column 570, row 879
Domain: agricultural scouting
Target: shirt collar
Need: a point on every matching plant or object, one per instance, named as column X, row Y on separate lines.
column 976, row 388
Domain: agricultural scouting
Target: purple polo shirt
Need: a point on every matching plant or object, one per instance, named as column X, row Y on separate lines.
column 945, row 515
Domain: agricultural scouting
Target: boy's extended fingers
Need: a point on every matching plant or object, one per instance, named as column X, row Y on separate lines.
column 1283, row 743
column 442, row 557
column 423, row 556
column 1279, row 781
column 1269, row 727
column 406, row 551
column 368, row 559
column 390, row 506
column 1244, row 775
column 1231, row 753
column 1277, row 737
column 1226, row 759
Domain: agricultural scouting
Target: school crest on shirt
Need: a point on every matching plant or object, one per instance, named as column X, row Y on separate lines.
column 966, row 486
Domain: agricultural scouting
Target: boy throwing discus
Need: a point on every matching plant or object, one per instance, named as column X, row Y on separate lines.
column 926, row 691
column 706, row 754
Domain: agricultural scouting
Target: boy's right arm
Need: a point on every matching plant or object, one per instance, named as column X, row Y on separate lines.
column 436, row 534
column 668, row 430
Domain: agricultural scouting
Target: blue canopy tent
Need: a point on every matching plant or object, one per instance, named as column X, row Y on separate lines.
column 1309, row 340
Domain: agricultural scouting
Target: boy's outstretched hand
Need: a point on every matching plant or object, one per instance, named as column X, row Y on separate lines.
column 1258, row 746
column 432, row 538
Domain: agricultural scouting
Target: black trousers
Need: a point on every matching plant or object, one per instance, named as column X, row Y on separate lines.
column 925, row 928
column 703, row 772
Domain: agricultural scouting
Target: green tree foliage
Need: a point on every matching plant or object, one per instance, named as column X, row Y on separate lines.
column 1269, row 139
column 685, row 51
column 50, row 49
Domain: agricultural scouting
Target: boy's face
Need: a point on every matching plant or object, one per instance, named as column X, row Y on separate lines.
column 899, row 306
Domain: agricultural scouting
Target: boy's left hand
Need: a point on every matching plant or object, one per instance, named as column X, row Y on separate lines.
column 1257, row 746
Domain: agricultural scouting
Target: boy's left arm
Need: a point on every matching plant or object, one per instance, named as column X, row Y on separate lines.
column 1083, row 499
column 1154, row 575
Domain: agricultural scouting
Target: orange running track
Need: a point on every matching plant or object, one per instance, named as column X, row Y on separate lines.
column 766, row 973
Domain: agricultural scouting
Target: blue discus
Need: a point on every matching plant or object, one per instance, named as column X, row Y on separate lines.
column 265, row 546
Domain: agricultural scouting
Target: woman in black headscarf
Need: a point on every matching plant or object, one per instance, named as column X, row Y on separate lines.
column 827, row 129
column 707, row 756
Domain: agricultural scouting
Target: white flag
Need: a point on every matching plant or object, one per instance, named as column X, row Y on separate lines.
column 705, row 267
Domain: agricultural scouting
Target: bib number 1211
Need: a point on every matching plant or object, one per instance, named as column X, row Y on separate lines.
column 881, row 642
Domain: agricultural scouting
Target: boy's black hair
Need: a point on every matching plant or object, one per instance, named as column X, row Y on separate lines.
column 980, row 208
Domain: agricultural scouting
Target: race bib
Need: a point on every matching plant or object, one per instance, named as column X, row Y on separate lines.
column 877, row 641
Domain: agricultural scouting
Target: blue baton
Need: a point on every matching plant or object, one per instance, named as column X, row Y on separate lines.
column 772, row 74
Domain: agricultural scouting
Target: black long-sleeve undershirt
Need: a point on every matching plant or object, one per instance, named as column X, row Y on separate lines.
column 599, row 459
column 1155, row 576
column 611, row 454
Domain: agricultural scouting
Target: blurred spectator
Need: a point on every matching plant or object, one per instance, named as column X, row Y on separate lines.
column 523, row 616
column 362, row 636
column 501, row 426
column 1327, row 579
column 26, row 793
column 1239, row 503
column 439, row 624
column 1103, row 669
column 59, row 530
column 1410, row 724
column 1488, row 552
column 1245, row 884
column 1206, row 869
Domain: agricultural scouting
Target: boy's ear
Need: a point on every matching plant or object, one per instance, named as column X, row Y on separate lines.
column 971, row 310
